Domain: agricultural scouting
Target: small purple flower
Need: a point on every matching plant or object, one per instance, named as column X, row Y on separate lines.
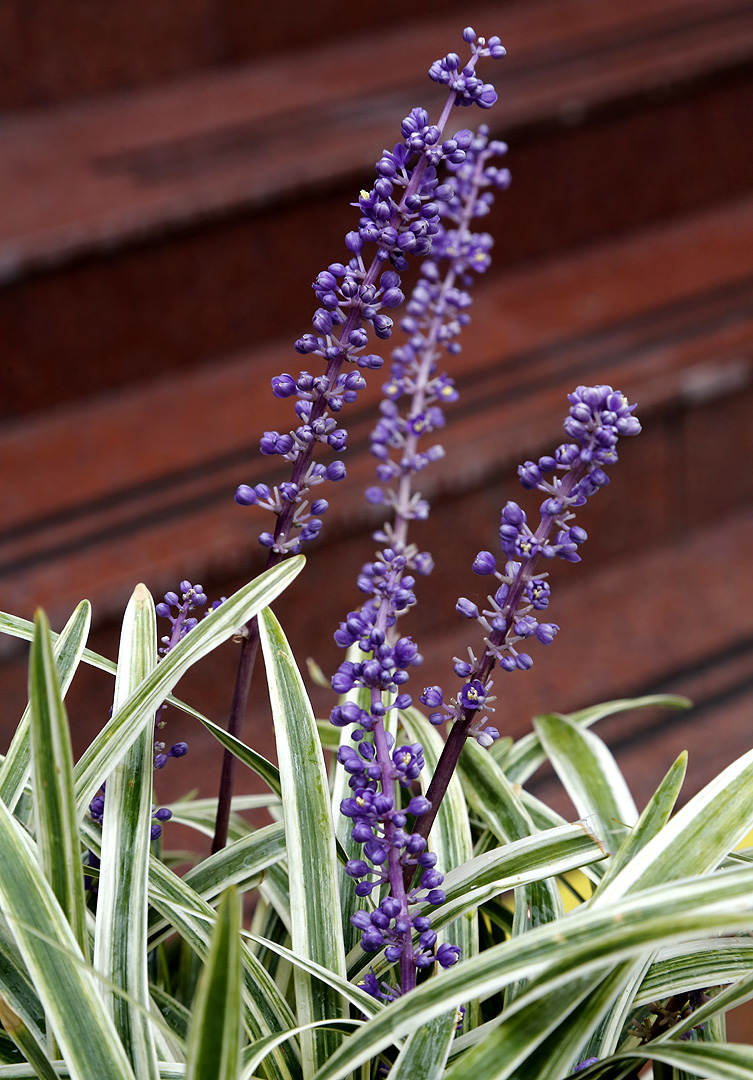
column 335, row 471
column 418, row 805
column 244, row 496
column 431, row 696
column 473, row 695
column 537, row 593
column 467, row 608
column 411, row 410
column 447, row 955
column 484, row 563
column 283, row 386
column 371, row 985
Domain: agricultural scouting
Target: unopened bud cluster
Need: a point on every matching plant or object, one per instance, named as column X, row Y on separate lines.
column 399, row 217
column 598, row 417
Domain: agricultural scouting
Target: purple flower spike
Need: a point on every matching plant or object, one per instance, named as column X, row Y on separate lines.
column 401, row 217
column 191, row 598
column 575, row 472
column 411, row 411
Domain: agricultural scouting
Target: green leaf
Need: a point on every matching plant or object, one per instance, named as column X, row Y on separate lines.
column 266, row 1011
column 424, row 1055
column 67, row 650
column 124, row 727
column 499, row 805
column 368, row 1005
column 699, row 963
column 499, row 870
column 328, row 734
column 652, row 820
column 53, row 791
column 729, row 1061
column 215, row 1031
column 654, row 817
column 697, row 838
column 250, row 758
column 28, row 1041
column 237, row 864
column 537, row 1040
column 175, row 1014
column 22, row 628
column 120, row 940
column 528, row 754
column 275, row 889
column 491, row 796
column 16, row 987
column 554, row 954
column 167, row 1071
column 310, row 834
column 200, row 814
column 254, row 1055
column 67, row 988
column 590, row 776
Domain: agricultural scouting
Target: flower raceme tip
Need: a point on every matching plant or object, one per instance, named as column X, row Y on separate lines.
column 399, row 219
column 598, row 417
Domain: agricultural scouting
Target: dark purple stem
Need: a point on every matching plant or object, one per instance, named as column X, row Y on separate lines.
column 246, row 661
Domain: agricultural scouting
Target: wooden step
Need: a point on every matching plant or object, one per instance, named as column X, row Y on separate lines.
column 146, row 233
column 76, row 52
column 139, row 483
column 95, row 175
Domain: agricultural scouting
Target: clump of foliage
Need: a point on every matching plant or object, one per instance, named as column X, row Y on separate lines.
column 409, row 916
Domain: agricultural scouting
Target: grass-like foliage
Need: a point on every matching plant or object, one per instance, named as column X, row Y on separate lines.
column 552, row 948
column 101, row 984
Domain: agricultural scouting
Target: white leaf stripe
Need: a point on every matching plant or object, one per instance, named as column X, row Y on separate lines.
column 68, row 647
column 215, row 1030
column 590, row 775
column 120, row 942
column 69, row 993
column 309, row 829
column 53, row 791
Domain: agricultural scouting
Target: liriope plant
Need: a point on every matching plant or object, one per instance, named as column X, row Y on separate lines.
column 644, row 968
column 409, row 897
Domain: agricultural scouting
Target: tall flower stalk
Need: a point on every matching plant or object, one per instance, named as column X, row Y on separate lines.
column 400, row 216
column 435, row 315
column 598, row 417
